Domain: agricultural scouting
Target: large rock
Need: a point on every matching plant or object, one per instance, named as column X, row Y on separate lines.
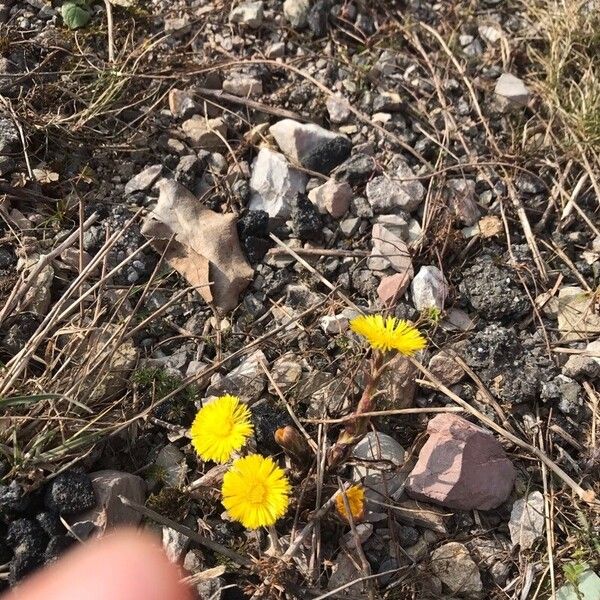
column 512, row 90
column 275, row 185
column 453, row 564
column 429, row 288
column 311, row 146
column 69, row 493
column 461, row 466
column 399, row 191
column 109, row 511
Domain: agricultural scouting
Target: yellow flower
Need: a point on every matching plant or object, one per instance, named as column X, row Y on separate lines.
column 389, row 333
column 355, row 495
column 255, row 491
column 220, row 428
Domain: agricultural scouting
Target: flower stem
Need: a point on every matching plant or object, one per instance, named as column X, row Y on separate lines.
column 356, row 428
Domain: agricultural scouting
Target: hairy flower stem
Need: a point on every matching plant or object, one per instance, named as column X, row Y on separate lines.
column 357, row 427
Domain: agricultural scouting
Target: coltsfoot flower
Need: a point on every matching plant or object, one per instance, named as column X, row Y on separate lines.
column 355, row 495
column 389, row 333
column 221, row 428
column 255, row 491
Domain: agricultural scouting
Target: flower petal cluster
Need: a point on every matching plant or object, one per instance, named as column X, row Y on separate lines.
column 389, row 333
column 255, row 491
column 221, row 428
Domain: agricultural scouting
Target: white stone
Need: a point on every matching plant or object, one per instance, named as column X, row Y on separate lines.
column 490, row 33
column 338, row 109
column 296, row 12
column 429, row 288
column 396, row 224
column 526, row 523
column 512, row 89
column 276, row 50
column 350, row 226
column 275, row 184
column 175, row 544
column 249, row 14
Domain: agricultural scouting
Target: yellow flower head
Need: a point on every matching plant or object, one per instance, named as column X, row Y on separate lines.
column 355, row 495
column 255, row 491
column 389, row 333
column 220, row 428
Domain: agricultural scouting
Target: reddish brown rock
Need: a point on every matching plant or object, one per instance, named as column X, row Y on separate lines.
column 392, row 287
column 445, row 368
column 461, row 466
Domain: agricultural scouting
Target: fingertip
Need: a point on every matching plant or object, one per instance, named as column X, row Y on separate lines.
column 122, row 566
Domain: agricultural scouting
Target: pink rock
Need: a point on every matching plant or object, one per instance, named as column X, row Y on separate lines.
column 332, row 197
column 393, row 286
column 461, row 466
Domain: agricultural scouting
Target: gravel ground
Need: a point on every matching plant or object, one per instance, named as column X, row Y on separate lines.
column 197, row 200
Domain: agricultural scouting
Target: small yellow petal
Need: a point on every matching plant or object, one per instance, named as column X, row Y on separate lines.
column 355, row 496
column 389, row 333
column 221, row 428
column 255, row 491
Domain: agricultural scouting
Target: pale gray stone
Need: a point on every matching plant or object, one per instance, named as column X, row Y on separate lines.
column 144, row 180
column 249, row 14
column 512, row 89
column 275, row 184
column 429, row 288
column 296, row 12
column 453, row 564
column 398, row 191
column 526, row 523
column 247, row 381
column 384, row 454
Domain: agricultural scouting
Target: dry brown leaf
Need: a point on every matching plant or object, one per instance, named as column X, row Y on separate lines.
column 200, row 244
